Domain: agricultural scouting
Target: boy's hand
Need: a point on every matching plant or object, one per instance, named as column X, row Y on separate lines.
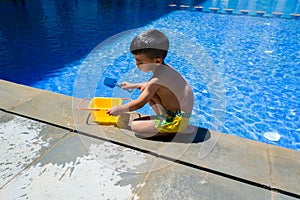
column 114, row 111
column 126, row 85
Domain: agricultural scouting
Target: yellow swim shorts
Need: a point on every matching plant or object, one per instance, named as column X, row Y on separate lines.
column 171, row 122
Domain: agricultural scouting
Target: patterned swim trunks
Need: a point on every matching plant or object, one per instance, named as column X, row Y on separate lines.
column 172, row 121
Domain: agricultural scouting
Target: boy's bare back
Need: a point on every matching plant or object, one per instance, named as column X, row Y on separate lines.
column 173, row 91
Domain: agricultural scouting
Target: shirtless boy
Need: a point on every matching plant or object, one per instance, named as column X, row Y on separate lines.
column 168, row 93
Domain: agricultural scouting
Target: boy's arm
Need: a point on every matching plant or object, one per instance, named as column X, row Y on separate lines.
column 126, row 85
column 144, row 98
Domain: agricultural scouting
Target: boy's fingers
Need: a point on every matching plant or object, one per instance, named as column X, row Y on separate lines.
column 124, row 83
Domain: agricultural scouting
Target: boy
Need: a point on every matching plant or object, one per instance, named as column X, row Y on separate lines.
column 168, row 93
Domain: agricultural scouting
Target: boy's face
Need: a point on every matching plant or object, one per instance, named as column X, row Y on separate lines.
column 142, row 60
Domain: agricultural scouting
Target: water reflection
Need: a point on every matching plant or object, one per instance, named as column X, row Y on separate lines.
column 15, row 2
column 44, row 36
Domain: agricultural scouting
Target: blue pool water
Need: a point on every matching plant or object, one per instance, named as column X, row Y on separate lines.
column 244, row 70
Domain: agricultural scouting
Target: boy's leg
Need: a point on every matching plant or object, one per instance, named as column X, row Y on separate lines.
column 156, row 105
column 189, row 130
column 125, row 119
column 144, row 127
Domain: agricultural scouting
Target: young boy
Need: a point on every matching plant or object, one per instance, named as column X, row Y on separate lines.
column 168, row 93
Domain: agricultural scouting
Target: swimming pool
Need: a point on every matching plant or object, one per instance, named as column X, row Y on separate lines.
column 246, row 84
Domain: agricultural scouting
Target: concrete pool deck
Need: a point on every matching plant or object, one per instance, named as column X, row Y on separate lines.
column 50, row 150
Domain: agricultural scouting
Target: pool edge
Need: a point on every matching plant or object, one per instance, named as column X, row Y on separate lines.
column 257, row 164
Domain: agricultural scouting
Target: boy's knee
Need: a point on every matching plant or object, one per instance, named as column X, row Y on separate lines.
column 136, row 128
column 141, row 131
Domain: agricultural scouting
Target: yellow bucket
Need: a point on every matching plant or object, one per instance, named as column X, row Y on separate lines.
column 98, row 107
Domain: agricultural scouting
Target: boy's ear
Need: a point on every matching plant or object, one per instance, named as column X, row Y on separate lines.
column 159, row 60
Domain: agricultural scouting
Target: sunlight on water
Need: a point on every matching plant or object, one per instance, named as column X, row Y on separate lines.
column 245, row 77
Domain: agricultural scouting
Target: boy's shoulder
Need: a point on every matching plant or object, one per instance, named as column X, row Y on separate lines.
column 167, row 72
column 153, row 80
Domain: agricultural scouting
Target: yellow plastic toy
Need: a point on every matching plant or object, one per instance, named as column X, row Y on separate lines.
column 98, row 107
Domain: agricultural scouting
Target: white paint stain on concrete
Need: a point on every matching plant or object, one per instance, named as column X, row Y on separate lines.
column 118, row 158
column 97, row 174
column 88, row 180
column 20, row 145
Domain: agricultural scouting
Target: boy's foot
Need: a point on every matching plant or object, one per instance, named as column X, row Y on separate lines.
column 189, row 130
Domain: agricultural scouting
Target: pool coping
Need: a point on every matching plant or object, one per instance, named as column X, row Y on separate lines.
column 257, row 164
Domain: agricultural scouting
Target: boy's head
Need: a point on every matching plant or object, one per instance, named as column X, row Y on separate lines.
column 152, row 43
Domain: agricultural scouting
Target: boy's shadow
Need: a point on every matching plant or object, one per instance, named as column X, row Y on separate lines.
column 201, row 135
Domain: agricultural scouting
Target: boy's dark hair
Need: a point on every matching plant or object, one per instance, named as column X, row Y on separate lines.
column 152, row 43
